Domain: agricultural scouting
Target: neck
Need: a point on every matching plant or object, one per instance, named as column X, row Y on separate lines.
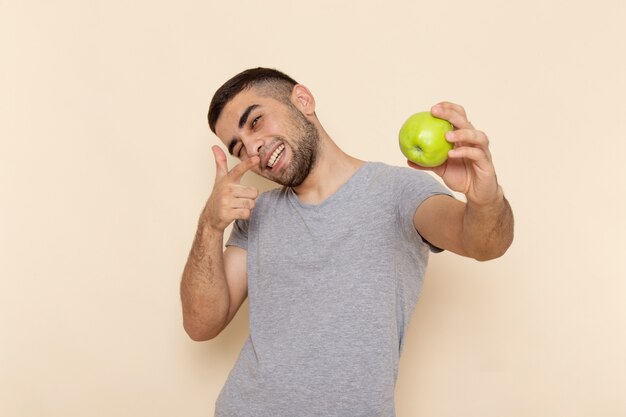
column 333, row 168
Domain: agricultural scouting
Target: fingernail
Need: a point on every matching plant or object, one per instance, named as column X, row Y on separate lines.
column 450, row 135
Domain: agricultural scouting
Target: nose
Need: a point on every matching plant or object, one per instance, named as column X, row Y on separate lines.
column 253, row 146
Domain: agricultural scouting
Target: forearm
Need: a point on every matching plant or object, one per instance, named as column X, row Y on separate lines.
column 488, row 228
column 204, row 289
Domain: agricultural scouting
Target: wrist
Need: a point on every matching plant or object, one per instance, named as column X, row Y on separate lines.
column 495, row 200
column 209, row 231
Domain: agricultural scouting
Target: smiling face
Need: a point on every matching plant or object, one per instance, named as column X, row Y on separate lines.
column 285, row 140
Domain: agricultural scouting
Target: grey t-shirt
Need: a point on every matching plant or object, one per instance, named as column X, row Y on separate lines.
column 331, row 290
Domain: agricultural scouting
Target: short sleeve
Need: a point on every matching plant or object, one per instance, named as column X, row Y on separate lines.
column 414, row 188
column 239, row 234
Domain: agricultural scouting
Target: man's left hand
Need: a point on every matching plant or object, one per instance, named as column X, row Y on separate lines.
column 469, row 168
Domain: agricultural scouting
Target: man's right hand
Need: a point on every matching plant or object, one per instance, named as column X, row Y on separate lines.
column 229, row 200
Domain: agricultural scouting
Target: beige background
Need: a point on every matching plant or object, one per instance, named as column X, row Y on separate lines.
column 105, row 164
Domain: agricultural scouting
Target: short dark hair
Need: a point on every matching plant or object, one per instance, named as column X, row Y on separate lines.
column 280, row 87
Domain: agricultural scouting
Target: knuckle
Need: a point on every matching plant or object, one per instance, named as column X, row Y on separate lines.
column 229, row 190
column 465, row 134
column 482, row 137
column 224, row 208
column 222, row 215
column 253, row 191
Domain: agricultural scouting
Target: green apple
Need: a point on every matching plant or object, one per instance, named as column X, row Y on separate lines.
column 423, row 139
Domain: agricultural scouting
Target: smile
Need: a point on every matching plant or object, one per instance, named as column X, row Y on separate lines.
column 278, row 153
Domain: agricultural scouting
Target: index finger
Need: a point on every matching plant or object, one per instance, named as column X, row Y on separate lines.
column 453, row 113
column 241, row 168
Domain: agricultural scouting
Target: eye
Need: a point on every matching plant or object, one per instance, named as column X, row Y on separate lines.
column 255, row 121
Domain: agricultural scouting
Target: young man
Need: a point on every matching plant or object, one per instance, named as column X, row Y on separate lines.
column 334, row 260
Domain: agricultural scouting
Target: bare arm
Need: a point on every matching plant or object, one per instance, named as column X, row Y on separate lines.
column 479, row 232
column 482, row 228
column 210, row 295
column 214, row 282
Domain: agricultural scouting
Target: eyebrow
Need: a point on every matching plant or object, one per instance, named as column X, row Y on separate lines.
column 244, row 117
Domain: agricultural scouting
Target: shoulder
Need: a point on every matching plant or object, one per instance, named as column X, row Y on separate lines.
column 401, row 177
column 270, row 198
column 273, row 194
column 408, row 188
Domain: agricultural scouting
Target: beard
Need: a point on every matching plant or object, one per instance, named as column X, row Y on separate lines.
column 304, row 151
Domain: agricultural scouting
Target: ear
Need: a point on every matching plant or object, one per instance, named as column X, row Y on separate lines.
column 303, row 99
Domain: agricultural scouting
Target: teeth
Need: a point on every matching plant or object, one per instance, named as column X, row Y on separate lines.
column 276, row 156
